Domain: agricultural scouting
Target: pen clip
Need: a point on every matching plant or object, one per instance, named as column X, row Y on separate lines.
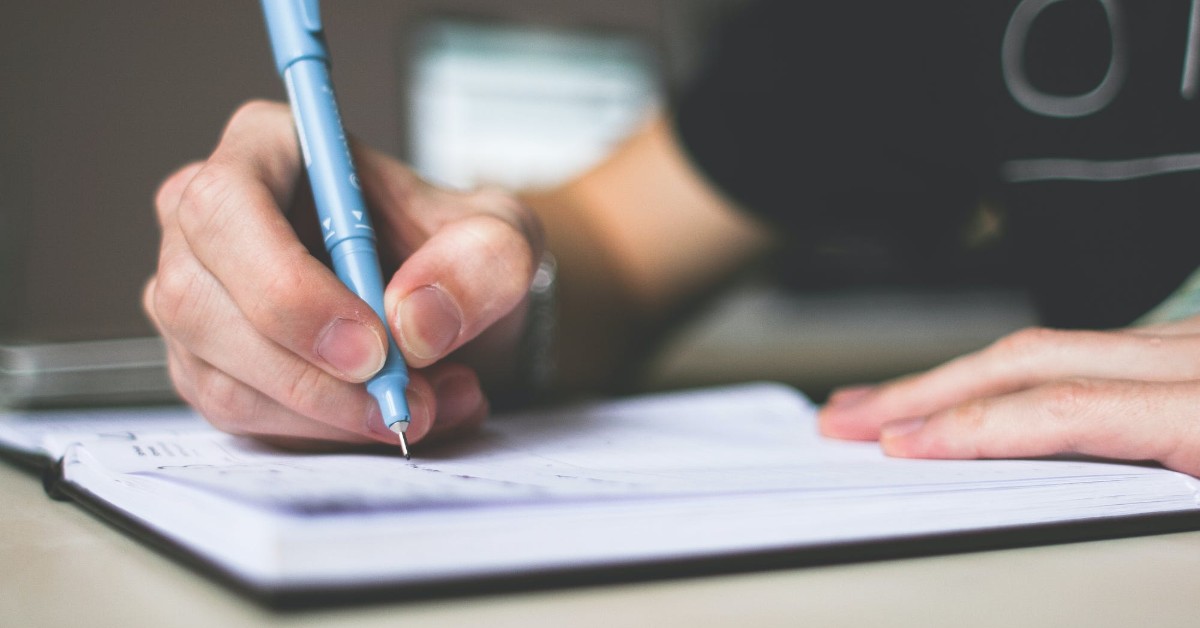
column 295, row 30
column 310, row 15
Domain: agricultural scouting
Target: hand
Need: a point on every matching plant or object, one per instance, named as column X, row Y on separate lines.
column 263, row 339
column 1131, row 394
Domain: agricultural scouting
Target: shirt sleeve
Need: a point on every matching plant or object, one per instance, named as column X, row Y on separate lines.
column 826, row 117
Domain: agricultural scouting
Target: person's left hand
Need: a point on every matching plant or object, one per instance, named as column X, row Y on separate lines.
column 1130, row 394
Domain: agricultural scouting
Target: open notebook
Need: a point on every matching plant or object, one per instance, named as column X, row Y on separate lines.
column 691, row 482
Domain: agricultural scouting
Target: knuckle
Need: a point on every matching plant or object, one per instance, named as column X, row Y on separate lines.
column 302, row 390
column 963, row 430
column 310, row 392
column 175, row 295
column 1068, row 400
column 506, row 246
column 1180, row 453
column 253, row 112
column 1188, row 347
column 264, row 119
column 148, row 297
column 170, row 191
column 502, row 204
column 971, row 416
column 283, row 293
column 181, row 379
column 223, row 400
column 1027, row 342
column 207, row 193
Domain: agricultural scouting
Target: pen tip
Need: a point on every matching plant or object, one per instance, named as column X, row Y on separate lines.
column 403, row 442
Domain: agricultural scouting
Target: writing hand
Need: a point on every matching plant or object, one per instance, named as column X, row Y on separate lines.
column 262, row 337
column 1128, row 394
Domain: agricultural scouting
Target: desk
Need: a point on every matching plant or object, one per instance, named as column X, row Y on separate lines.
column 61, row 567
column 816, row 341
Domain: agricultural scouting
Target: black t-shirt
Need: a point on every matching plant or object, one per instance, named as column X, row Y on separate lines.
column 1078, row 119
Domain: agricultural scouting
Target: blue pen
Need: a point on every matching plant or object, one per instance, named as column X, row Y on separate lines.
column 303, row 60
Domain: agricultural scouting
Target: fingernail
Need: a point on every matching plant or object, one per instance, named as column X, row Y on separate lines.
column 375, row 424
column 352, row 348
column 849, row 396
column 429, row 323
column 901, row 428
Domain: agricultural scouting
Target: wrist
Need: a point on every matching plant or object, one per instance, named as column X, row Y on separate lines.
column 536, row 358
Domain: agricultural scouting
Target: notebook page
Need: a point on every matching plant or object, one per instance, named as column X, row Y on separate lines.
column 699, row 473
column 49, row 432
column 755, row 439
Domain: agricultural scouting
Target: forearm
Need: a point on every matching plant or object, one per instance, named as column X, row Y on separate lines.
column 596, row 316
column 636, row 238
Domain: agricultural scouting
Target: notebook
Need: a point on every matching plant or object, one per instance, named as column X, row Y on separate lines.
column 657, row 486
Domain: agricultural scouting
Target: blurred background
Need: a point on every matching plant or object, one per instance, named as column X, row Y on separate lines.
column 101, row 100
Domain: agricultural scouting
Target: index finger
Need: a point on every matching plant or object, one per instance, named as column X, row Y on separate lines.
column 1022, row 360
column 230, row 215
column 1113, row 419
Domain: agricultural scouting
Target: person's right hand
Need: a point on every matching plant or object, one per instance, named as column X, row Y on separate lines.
column 263, row 339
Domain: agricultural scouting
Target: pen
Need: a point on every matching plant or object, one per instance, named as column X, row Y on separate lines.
column 298, row 41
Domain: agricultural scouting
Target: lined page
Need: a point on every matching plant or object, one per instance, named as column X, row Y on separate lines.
column 49, row 432
column 706, row 473
column 754, row 439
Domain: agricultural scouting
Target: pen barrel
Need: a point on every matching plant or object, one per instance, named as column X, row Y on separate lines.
column 298, row 43
column 345, row 222
column 340, row 206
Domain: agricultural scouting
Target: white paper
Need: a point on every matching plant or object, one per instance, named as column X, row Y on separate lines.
column 691, row 474
column 50, row 432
